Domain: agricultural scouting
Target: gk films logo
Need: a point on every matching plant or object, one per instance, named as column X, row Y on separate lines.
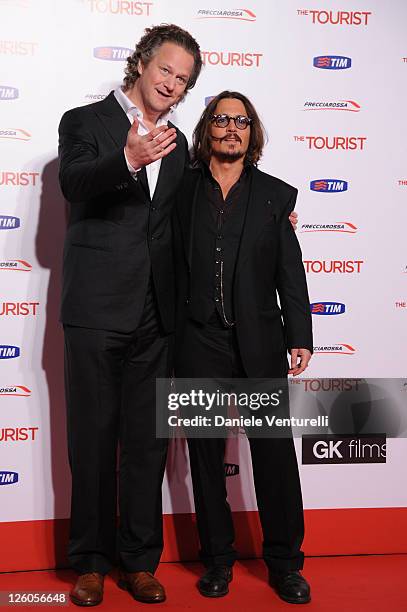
column 335, row 449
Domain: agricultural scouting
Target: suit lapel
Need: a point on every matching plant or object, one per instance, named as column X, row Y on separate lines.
column 169, row 169
column 116, row 122
column 114, row 119
column 257, row 213
column 187, row 210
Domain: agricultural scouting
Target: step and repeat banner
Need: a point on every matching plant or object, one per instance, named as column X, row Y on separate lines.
column 328, row 79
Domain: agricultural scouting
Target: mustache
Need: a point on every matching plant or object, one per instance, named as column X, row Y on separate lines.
column 236, row 138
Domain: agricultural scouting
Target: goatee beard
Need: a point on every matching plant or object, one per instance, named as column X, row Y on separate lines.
column 227, row 157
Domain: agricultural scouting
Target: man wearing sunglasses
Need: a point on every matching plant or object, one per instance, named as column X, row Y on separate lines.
column 235, row 249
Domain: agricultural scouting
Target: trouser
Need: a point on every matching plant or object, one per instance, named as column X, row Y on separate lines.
column 110, row 393
column 212, row 351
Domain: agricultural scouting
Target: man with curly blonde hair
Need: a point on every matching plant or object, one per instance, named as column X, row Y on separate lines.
column 121, row 161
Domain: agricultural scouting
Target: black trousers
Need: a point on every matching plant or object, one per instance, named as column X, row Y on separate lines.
column 110, row 394
column 212, row 351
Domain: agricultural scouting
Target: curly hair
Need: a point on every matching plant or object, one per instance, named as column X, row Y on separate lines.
column 149, row 44
column 201, row 139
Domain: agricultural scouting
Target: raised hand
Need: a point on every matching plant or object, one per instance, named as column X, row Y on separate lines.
column 143, row 150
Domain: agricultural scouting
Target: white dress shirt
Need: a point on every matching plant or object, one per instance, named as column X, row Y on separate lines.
column 132, row 111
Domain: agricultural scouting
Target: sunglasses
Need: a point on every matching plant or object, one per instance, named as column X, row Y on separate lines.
column 222, row 121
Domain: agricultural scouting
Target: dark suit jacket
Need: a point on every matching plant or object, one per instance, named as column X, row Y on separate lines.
column 269, row 262
column 116, row 234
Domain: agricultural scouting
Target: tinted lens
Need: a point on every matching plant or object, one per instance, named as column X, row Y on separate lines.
column 241, row 122
column 221, row 121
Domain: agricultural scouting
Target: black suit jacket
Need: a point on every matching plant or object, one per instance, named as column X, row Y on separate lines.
column 269, row 263
column 116, row 234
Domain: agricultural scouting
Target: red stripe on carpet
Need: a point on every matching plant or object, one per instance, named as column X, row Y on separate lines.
column 338, row 584
column 28, row 545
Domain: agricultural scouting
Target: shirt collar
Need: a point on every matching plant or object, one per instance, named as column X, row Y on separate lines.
column 131, row 109
column 204, row 167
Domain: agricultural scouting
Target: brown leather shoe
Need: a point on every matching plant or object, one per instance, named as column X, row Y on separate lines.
column 143, row 586
column 88, row 590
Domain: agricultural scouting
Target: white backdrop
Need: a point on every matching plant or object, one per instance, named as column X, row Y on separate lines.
column 267, row 51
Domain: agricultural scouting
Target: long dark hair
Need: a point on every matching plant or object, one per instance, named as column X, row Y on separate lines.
column 201, row 140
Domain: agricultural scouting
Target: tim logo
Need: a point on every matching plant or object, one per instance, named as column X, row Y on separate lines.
column 15, row 391
column 343, row 449
column 7, row 478
column 332, row 62
column 8, row 93
column 327, row 308
column 7, row 222
column 231, row 469
column 9, row 352
column 113, row 54
column 329, row 185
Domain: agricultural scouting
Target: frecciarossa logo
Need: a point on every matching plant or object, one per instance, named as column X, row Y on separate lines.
column 327, row 308
column 335, row 349
column 15, row 391
column 239, row 14
column 344, row 227
column 329, row 185
column 332, row 62
column 17, row 265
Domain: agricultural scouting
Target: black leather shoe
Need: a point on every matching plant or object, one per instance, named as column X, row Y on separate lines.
column 291, row 586
column 215, row 583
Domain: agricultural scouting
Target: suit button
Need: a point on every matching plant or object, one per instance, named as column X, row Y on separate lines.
column 216, row 299
column 153, row 208
column 186, row 302
column 125, row 184
column 218, row 249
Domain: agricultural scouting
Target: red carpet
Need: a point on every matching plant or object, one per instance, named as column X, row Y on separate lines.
column 339, row 584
